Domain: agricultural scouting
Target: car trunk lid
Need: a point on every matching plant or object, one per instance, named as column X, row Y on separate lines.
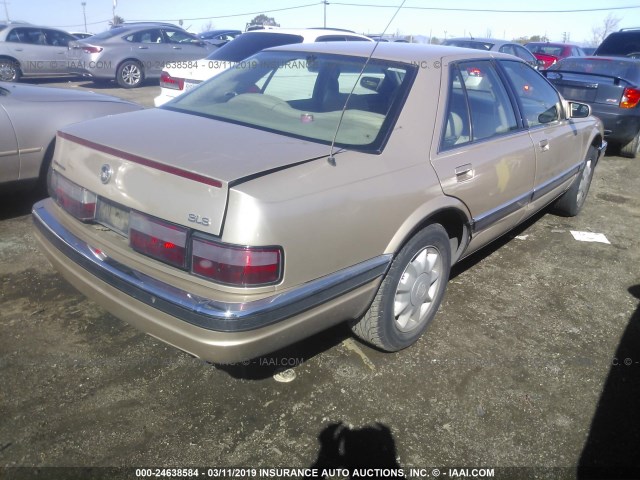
column 137, row 162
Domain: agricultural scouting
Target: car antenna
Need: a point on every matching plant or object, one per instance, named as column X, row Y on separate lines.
column 331, row 159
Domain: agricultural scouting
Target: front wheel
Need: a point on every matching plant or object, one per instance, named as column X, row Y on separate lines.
column 9, row 70
column 130, row 74
column 410, row 294
column 571, row 202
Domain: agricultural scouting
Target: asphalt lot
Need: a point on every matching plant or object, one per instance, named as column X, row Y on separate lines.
column 531, row 367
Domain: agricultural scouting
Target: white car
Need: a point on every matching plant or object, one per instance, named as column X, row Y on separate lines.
column 180, row 77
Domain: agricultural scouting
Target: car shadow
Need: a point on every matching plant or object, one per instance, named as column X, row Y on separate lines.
column 18, row 204
column 612, row 449
column 291, row 356
column 109, row 85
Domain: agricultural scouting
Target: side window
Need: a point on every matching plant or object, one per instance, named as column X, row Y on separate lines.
column 32, row 36
column 539, row 100
column 457, row 130
column 331, row 38
column 176, row 36
column 524, row 54
column 145, row 36
column 507, row 48
column 478, row 106
column 57, row 39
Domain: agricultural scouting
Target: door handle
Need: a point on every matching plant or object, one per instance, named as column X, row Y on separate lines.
column 177, row 48
column 143, row 47
column 464, row 172
column 544, row 145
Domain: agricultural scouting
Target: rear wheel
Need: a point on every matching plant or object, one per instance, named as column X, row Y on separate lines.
column 130, row 74
column 9, row 70
column 411, row 292
column 571, row 202
column 631, row 149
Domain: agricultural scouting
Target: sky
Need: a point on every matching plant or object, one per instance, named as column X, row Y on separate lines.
column 438, row 18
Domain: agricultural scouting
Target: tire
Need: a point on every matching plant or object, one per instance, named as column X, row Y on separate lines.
column 631, row 149
column 411, row 292
column 571, row 201
column 9, row 70
column 130, row 74
column 42, row 185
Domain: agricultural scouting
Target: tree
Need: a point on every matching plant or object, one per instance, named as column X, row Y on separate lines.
column 533, row 38
column 265, row 21
column 207, row 27
column 117, row 20
column 599, row 33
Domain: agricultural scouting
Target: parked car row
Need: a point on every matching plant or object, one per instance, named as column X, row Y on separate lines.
column 128, row 54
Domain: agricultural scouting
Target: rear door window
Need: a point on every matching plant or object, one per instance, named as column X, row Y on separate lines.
column 478, row 107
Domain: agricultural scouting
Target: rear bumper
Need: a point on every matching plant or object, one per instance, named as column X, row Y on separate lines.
column 221, row 332
column 618, row 128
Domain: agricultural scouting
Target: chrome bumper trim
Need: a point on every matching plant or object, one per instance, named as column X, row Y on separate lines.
column 200, row 311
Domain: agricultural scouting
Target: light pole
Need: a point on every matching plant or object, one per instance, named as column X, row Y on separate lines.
column 325, row 3
column 6, row 10
column 84, row 14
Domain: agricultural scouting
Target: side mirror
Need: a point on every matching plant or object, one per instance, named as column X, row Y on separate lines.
column 579, row 110
column 370, row 83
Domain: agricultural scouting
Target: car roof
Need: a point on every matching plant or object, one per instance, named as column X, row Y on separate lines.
column 553, row 44
column 403, row 52
column 309, row 34
column 495, row 41
column 220, row 30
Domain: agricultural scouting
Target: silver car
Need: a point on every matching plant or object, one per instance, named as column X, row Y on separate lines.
column 495, row 45
column 29, row 50
column 30, row 116
column 129, row 54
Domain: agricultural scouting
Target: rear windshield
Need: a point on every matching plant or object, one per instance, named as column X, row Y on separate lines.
column 629, row 70
column 109, row 33
column 545, row 49
column 469, row 44
column 249, row 44
column 625, row 44
column 304, row 95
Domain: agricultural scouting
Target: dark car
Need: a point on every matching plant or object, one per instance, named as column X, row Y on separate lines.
column 219, row 37
column 551, row 53
column 611, row 85
column 623, row 43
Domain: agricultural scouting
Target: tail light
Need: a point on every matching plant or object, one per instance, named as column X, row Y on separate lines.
column 167, row 81
column 77, row 200
column 91, row 49
column 234, row 265
column 158, row 239
column 630, row 98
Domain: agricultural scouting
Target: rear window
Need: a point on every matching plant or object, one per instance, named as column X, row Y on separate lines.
column 307, row 96
column 109, row 33
column 625, row 44
column 469, row 44
column 250, row 43
column 628, row 70
column 545, row 49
